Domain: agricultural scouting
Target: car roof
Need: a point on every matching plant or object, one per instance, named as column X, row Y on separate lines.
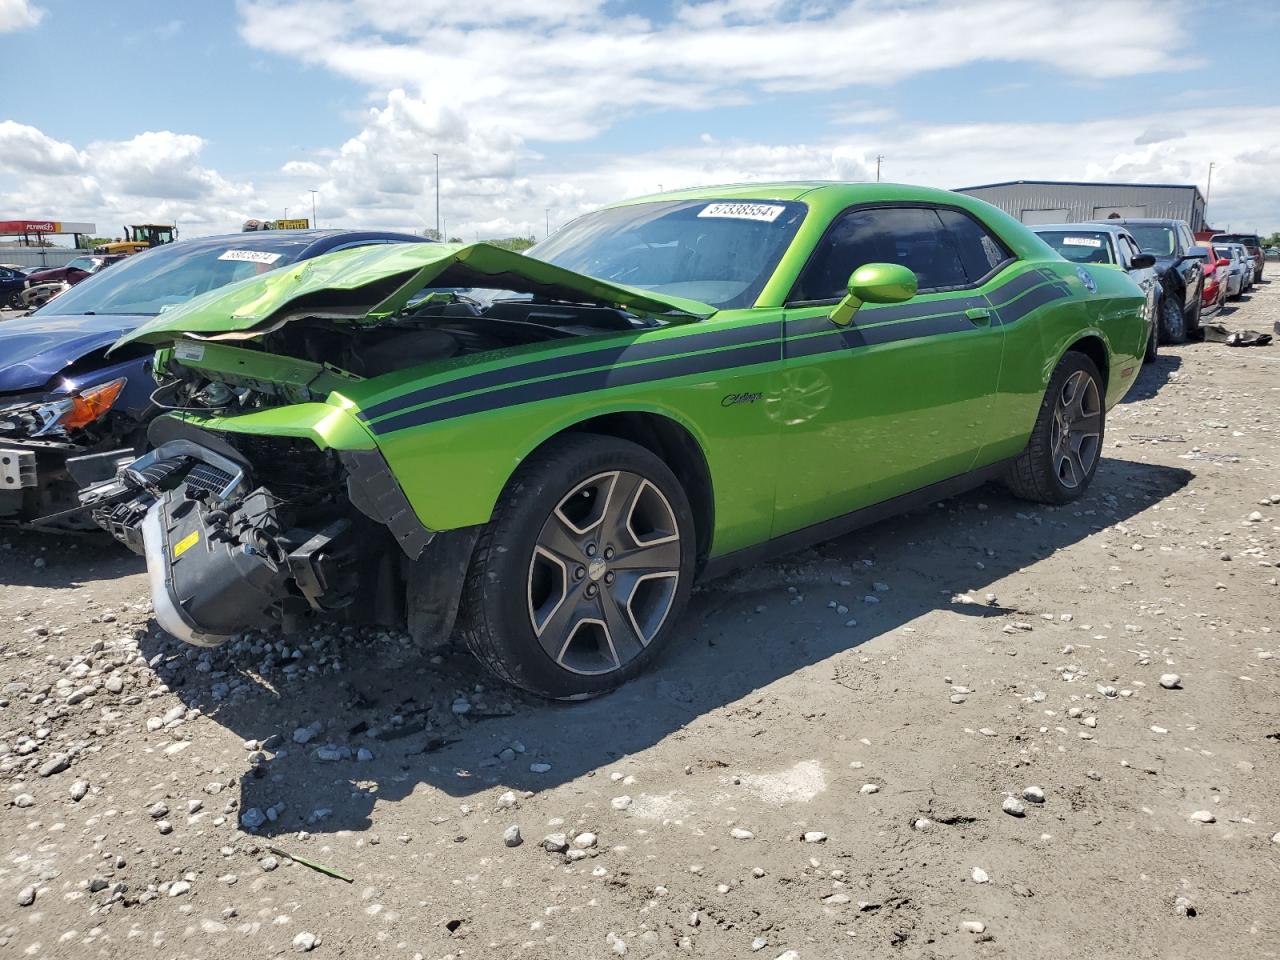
column 1091, row 226
column 315, row 242
column 849, row 192
column 1162, row 221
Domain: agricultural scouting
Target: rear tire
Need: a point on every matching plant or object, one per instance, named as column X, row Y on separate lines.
column 1153, row 342
column 1062, row 455
column 578, row 579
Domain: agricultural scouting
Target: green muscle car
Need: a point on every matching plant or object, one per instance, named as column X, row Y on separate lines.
column 548, row 448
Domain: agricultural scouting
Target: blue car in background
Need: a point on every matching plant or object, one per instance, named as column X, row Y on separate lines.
column 68, row 412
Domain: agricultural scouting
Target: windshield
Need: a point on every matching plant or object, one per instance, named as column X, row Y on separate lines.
column 147, row 283
column 88, row 264
column 1153, row 239
column 1080, row 246
column 720, row 252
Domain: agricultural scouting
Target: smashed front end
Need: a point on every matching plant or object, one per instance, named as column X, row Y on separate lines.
column 261, row 532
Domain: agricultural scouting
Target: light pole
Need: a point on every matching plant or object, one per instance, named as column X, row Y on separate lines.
column 313, row 208
column 286, row 214
column 879, row 157
column 548, row 227
column 1208, row 189
column 439, row 235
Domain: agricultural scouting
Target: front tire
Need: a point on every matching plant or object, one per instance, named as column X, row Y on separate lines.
column 1153, row 342
column 1062, row 455
column 579, row 577
column 1173, row 322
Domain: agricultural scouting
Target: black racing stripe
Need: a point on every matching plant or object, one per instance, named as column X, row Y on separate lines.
column 905, row 311
column 572, row 363
column 1017, row 287
column 582, row 383
column 1015, row 311
column 857, row 336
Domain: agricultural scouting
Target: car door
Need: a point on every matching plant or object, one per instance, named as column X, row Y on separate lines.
column 900, row 398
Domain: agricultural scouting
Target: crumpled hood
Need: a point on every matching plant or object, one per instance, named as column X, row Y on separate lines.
column 369, row 283
column 33, row 349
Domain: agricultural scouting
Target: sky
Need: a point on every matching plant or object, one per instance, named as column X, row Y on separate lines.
column 207, row 114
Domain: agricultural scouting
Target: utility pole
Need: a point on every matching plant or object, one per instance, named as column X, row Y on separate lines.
column 1208, row 189
column 879, row 157
column 286, row 213
column 313, row 208
column 439, row 235
column 548, row 230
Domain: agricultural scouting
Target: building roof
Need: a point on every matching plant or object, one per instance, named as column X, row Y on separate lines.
column 1080, row 183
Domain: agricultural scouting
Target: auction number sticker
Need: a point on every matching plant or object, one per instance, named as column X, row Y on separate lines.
column 250, row 256
column 1081, row 242
column 765, row 212
column 184, row 350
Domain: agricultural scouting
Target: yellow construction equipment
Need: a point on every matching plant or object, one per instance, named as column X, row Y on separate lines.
column 139, row 237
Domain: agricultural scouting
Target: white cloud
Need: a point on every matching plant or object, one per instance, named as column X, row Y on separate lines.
column 18, row 15
column 152, row 177
column 26, row 150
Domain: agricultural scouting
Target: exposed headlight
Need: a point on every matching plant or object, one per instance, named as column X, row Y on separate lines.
column 76, row 410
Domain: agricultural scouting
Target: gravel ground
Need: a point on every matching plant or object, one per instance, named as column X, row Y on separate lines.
column 984, row 729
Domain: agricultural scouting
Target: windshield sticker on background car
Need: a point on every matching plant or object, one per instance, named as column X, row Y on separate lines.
column 1087, row 279
column 765, row 212
column 250, row 256
column 1081, row 242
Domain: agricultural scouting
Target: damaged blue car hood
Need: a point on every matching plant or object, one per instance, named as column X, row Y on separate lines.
column 33, row 350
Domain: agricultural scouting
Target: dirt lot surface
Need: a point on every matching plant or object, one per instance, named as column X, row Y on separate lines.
column 985, row 729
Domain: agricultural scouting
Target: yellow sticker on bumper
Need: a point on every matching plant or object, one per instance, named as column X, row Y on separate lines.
column 186, row 543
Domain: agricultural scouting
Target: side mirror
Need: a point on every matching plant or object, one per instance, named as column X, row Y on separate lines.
column 1196, row 253
column 1223, row 263
column 1142, row 261
column 874, row 283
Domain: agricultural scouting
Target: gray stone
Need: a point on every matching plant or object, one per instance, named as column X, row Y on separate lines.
column 1033, row 795
column 24, row 800
column 305, row 942
column 55, row 764
column 26, row 896
column 1014, row 807
column 511, row 836
column 78, row 790
column 1171, row 681
column 252, row 818
column 555, row 843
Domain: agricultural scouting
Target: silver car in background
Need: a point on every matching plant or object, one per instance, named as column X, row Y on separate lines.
column 1111, row 245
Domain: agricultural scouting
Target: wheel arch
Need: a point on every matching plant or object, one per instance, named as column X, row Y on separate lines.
column 674, row 442
column 1094, row 346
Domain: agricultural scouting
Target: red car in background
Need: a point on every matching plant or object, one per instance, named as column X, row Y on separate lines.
column 1216, row 270
column 75, row 270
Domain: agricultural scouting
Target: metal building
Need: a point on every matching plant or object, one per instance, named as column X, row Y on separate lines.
column 1057, row 201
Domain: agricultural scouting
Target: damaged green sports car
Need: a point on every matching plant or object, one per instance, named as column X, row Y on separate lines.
column 548, row 448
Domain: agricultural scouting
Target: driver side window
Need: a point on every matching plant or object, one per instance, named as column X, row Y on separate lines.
column 911, row 236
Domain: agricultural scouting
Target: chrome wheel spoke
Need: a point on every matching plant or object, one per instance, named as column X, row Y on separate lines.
column 624, row 642
column 660, row 557
column 558, row 538
column 1089, row 425
column 561, row 622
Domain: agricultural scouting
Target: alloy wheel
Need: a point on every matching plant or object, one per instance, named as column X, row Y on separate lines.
column 1077, row 429
column 604, row 573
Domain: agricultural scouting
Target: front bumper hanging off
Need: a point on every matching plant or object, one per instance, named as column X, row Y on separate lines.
column 221, row 557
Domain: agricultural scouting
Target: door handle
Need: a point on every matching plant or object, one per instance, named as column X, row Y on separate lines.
column 980, row 316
